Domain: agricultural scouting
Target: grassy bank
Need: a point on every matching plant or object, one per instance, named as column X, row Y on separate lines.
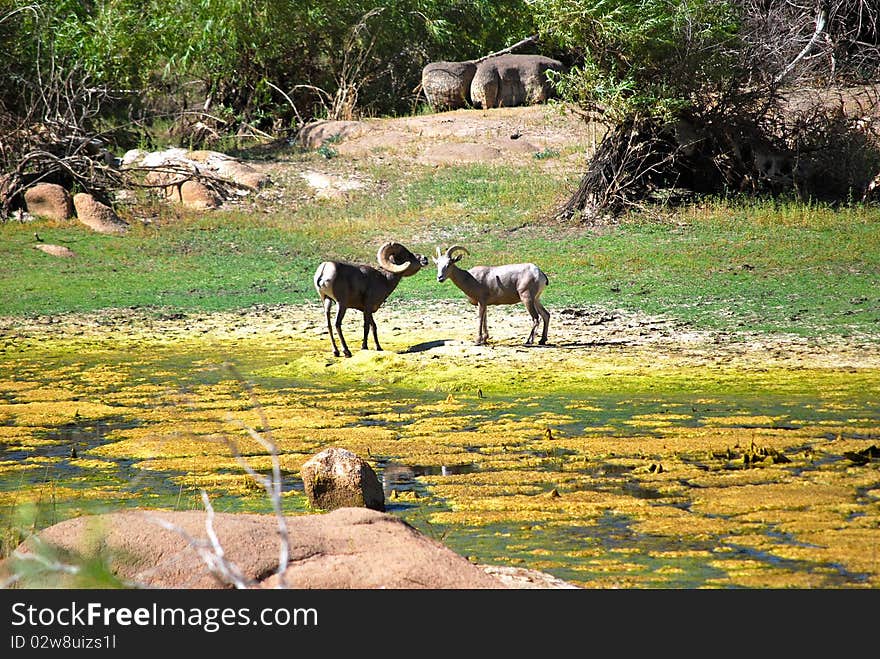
column 775, row 267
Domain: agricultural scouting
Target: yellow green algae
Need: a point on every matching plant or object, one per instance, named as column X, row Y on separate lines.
column 609, row 466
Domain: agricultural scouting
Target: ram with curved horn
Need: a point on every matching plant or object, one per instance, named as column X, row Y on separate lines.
column 363, row 287
column 500, row 284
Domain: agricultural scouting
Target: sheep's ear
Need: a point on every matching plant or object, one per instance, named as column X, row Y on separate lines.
column 456, row 259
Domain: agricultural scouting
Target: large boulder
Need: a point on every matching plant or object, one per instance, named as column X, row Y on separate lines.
column 351, row 548
column 447, row 85
column 512, row 80
column 97, row 216
column 49, row 200
column 337, row 478
column 315, row 134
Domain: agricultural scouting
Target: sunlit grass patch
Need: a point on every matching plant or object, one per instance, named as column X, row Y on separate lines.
column 15, row 435
column 756, row 574
column 75, row 498
column 91, row 464
column 670, row 522
column 9, row 468
column 55, row 410
column 148, row 443
column 754, row 498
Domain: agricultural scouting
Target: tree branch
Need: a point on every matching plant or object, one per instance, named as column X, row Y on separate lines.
column 821, row 19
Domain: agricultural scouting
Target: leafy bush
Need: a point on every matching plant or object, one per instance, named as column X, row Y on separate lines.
column 696, row 93
column 275, row 63
column 640, row 58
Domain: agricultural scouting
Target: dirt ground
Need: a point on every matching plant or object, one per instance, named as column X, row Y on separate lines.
column 448, row 326
column 501, row 134
column 555, row 138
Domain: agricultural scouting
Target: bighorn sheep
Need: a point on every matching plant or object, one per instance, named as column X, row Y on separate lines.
column 363, row 287
column 501, row 284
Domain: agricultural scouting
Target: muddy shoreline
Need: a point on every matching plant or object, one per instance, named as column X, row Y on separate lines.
column 448, row 324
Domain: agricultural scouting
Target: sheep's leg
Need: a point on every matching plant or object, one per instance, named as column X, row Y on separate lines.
column 375, row 336
column 546, row 316
column 366, row 330
column 482, row 329
column 531, row 307
column 369, row 323
column 340, row 314
column 328, row 303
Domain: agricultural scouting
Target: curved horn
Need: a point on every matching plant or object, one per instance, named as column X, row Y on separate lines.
column 456, row 248
column 386, row 251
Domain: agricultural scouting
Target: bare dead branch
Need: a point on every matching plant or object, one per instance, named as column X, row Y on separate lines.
column 271, row 486
column 509, row 49
column 288, row 99
column 210, row 551
column 821, row 19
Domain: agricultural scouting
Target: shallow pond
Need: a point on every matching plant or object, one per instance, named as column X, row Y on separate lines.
column 652, row 460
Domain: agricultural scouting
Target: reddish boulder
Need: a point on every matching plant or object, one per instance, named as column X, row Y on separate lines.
column 348, row 548
column 337, row 478
column 49, row 200
column 98, row 216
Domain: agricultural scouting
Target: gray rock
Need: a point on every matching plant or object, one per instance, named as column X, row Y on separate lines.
column 447, row 85
column 512, row 80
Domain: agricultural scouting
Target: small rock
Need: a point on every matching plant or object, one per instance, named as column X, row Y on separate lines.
column 55, row 250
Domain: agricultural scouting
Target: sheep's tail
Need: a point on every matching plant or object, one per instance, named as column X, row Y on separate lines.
column 546, row 278
column 322, row 278
column 319, row 277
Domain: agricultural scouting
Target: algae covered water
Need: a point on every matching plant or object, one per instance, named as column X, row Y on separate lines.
column 634, row 456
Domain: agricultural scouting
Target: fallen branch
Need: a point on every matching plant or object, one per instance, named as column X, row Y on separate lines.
column 518, row 44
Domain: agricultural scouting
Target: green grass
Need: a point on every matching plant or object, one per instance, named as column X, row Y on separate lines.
column 733, row 269
column 767, row 266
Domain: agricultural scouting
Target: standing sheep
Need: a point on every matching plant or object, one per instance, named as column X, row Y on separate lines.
column 501, row 284
column 363, row 287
